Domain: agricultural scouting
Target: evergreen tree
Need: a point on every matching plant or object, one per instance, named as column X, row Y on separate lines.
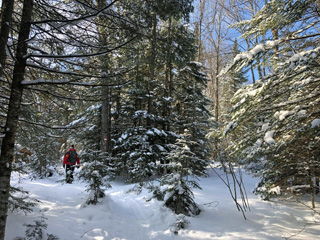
column 151, row 128
column 176, row 186
column 276, row 117
column 20, row 201
column 191, row 109
column 97, row 172
column 13, row 112
column 37, row 231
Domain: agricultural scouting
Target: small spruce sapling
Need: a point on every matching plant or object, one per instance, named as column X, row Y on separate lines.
column 37, row 231
column 176, row 187
column 96, row 172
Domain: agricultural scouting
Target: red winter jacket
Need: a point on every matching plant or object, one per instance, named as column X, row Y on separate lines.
column 66, row 158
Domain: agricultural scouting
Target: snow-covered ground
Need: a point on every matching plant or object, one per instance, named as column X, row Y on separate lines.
column 122, row 216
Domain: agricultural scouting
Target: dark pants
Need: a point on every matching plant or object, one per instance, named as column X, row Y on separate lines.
column 69, row 173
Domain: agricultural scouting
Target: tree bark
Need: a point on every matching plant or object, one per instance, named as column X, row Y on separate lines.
column 105, row 91
column 202, row 3
column 7, row 147
column 152, row 68
column 105, row 117
column 167, row 80
column 216, row 83
column 312, row 186
column 7, row 10
column 275, row 35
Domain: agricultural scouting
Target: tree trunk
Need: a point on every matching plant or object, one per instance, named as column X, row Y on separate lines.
column 138, row 102
column 105, row 116
column 312, row 189
column 216, row 98
column 275, row 35
column 152, row 68
column 251, row 66
column 7, row 10
column 7, row 147
column 311, row 177
column 216, row 84
column 317, row 173
column 105, row 92
column 202, row 2
column 167, row 80
column 317, row 186
column 252, row 7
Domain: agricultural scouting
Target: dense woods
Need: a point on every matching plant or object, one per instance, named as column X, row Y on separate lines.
column 155, row 92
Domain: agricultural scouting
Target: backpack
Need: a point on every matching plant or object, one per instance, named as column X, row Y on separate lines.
column 72, row 157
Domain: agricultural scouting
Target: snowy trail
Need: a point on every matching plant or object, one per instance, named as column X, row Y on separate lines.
column 122, row 216
column 118, row 216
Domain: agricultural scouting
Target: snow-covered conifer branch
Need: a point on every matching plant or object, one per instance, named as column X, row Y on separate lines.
column 85, row 55
column 76, row 20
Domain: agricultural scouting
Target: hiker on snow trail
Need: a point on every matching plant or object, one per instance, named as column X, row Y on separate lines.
column 71, row 158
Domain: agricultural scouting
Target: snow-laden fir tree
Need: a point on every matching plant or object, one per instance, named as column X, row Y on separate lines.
column 183, row 169
column 191, row 107
column 275, row 122
column 137, row 154
column 96, row 172
column 165, row 96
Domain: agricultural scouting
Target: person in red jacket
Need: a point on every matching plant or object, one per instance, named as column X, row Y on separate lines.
column 71, row 158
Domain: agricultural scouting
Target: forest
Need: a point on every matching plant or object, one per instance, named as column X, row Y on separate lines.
column 157, row 92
